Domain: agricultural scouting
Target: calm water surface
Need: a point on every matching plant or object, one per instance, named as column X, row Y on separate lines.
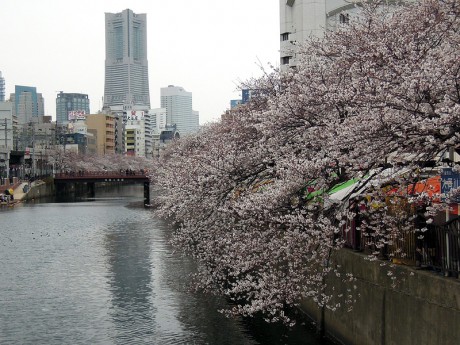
column 101, row 271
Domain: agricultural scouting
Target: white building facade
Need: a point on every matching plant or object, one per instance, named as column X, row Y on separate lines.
column 134, row 134
column 158, row 119
column 179, row 112
column 301, row 19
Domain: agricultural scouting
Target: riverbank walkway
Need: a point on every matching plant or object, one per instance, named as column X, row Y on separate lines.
column 20, row 190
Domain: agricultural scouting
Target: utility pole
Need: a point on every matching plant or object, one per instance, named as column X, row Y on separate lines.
column 6, row 133
column 33, row 150
column 7, row 152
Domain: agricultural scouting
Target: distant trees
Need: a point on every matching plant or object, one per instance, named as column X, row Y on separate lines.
column 250, row 194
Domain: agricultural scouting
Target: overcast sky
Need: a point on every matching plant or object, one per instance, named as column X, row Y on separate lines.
column 206, row 47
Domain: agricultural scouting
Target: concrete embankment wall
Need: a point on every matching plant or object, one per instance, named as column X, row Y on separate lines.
column 47, row 188
column 423, row 308
column 39, row 190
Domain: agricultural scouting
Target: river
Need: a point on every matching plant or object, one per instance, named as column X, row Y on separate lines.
column 101, row 271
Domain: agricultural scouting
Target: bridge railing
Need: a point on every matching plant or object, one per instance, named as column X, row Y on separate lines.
column 100, row 173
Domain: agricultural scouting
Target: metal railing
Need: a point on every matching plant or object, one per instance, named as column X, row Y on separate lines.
column 437, row 248
column 101, row 173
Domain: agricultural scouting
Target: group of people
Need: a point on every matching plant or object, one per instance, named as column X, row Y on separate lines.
column 6, row 197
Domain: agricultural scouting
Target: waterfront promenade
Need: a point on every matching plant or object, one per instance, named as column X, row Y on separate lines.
column 20, row 188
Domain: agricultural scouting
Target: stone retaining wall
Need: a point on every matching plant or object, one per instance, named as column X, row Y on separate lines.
column 424, row 308
column 39, row 190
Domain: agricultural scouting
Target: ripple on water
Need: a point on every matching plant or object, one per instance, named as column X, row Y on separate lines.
column 101, row 273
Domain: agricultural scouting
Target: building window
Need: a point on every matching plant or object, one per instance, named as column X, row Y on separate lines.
column 285, row 36
column 344, row 18
column 285, row 60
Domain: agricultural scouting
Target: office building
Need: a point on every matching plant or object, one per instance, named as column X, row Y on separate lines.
column 134, row 134
column 102, row 127
column 158, row 119
column 179, row 112
column 69, row 106
column 155, row 121
column 126, row 67
column 28, row 105
column 301, row 19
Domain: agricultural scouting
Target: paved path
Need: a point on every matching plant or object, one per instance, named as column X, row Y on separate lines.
column 19, row 191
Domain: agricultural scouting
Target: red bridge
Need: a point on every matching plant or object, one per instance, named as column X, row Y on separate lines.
column 61, row 180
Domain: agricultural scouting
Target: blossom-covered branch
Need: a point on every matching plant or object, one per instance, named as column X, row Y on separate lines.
column 251, row 194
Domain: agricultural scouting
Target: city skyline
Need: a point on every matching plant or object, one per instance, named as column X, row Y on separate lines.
column 206, row 48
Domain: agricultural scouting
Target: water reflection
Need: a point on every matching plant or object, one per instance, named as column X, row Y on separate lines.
column 129, row 276
column 99, row 272
column 151, row 300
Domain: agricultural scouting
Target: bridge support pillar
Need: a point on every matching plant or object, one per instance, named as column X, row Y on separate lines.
column 91, row 189
column 61, row 189
column 146, row 193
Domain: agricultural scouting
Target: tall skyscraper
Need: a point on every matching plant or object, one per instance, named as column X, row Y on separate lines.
column 126, row 66
column 70, row 105
column 28, row 104
column 2, row 88
column 179, row 112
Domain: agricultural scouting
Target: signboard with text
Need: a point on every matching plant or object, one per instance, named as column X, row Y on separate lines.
column 450, row 180
column 134, row 115
column 76, row 115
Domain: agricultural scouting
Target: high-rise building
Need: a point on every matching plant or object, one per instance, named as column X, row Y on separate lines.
column 126, row 67
column 179, row 112
column 2, row 88
column 28, row 104
column 70, row 105
column 301, row 19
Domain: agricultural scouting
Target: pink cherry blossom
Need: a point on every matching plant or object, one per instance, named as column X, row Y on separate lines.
column 377, row 101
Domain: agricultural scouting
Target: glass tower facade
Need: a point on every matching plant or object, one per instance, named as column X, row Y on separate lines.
column 68, row 105
column 28, row 104
column 126, row 67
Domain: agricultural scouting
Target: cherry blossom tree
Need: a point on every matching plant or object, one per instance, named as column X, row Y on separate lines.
column 70, row 161
column 250, row 195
